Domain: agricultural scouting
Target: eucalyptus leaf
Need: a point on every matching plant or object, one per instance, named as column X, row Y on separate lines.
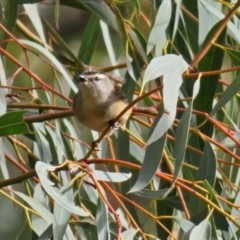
column 172, row 80
column 13, row 123
column 61, row 217
column 54, row 60
column 39, row 208
column 102, row 220
column 182, row 133
column 89, row 40
column 202, row 231
column 8, row 16
column 42, row 170
column 33, row 14
column 129, row 234
column 159, row 29
column 152, row 158
column 227, row 95
column 111, row 176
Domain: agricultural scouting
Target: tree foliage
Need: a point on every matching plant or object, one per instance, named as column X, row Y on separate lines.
column 173, row 174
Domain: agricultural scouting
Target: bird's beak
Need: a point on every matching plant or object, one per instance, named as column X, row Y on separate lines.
column 82, row 78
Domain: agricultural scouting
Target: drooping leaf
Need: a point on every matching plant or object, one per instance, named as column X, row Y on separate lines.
column 214, row 11
column 39, row 224
column 211, row 61
column 102, row 220
column 39, row 208
column 182, row 134
column 129, row 234
column 227, row 95
column 152, row 158
column 61, row 216
column 206, row 171
column 54, row 60
column 8, row 15
column 172, row 80
column 42, row 170
column 202, row 231
column 156, row 37
column 111, row 177
column 12, row 123
column 89, row 40
column 98, row 7
column 208, row 166
column 33, row 14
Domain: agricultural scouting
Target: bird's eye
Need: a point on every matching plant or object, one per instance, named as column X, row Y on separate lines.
column 97, row 78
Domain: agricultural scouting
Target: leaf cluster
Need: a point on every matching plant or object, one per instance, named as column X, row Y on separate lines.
column 173, row 173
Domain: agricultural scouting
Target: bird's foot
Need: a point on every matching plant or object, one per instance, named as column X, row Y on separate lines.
column 95, row 146
column 114, row 125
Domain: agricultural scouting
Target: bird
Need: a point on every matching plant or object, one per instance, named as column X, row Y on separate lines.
column 97, row 102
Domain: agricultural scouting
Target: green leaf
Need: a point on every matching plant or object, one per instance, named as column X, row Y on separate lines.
column 146, row 193
column 111, row 176
column 39, row 208
column 33, row 14
column 98, row 7
column 12, row 123
column 129, row 234
column 208, row 166
column 39, row 225
column 8, row 16
column 172, row 80
column 158, row 33
column 190, row 28
column 89, row 40
column 137, row 6
column 61, row 216
column 54, row 60
column 234, row 213
column 62, row 44
column 206, row 171
column 42, row 170
column 210, row 62
column 182, row 135
column 163, row 208
column 44, row 151
column 102, row 220
column 234, row 55
column 227, row 95
column 214, row 11
column 203, row 231
column 150, row 164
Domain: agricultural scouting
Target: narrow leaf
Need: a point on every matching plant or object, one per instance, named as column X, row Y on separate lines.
column 227, row 95
column 89, row 40
column 61, row 217
column 172, row 80
column 182, row 134
column 111, row 176
column 208, row 166
column 12, row 123
column 150, row 164
column 201, row 232
column 102, row 220
column 211, row 61
column 161, row 23
column 8, row 16
column 42, row 170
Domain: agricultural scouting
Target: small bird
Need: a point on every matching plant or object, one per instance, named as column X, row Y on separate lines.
column 98, row 102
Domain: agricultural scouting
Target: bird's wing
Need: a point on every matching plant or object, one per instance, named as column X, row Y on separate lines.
column 120, row 94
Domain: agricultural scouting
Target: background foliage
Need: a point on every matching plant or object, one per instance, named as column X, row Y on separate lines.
column 174, row 173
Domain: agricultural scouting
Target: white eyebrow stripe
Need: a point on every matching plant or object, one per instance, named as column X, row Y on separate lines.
column 99, row 75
